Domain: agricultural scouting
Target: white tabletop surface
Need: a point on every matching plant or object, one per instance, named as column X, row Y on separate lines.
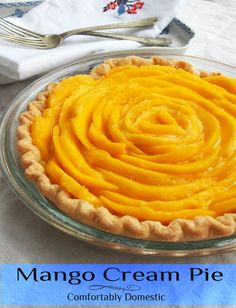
column 24, row 238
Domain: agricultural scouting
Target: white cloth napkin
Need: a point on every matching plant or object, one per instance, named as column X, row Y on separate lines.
column 214, row 23
column 56, row 16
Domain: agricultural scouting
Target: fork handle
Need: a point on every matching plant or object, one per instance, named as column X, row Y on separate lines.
column 159, row 41
column 130, row 24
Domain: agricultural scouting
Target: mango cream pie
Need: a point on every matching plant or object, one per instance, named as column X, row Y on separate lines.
column 144, row 148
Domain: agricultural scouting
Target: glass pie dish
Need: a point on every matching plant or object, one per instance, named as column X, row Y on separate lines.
column 33, row 199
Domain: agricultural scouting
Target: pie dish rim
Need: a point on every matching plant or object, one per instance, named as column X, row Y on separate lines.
column 200, row 228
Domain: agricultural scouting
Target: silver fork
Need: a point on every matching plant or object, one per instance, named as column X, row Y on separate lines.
column 19, row 35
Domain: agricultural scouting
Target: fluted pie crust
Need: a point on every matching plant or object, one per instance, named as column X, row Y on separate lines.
column 199, row 228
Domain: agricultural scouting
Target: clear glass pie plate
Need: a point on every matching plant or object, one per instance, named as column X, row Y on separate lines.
column 35, row 201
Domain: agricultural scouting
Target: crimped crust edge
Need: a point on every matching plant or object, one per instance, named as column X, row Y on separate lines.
column 199, row 228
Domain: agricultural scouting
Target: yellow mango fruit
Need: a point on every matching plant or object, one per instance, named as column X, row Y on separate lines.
column 154, row 142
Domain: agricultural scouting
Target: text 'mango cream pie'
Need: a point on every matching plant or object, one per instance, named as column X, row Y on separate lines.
column 144, row 148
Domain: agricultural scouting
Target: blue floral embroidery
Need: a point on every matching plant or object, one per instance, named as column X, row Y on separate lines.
column 18, row 13
column 18, row 4
column 124, row 6
column 17, row 9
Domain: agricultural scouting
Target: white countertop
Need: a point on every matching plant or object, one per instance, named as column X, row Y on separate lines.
column 24, row 238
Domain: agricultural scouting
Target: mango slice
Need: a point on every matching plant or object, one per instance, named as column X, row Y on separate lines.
column 154, row 142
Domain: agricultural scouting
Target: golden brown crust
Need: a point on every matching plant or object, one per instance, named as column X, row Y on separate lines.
column 200, row 228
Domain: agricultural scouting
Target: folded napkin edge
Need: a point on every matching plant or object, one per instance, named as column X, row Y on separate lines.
column 9, row 68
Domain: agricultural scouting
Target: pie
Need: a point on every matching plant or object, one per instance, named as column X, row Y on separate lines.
column 144, row 148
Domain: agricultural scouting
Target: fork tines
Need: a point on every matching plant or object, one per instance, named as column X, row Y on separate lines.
column 9, row 27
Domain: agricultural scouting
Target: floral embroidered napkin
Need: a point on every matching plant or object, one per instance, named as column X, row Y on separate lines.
column 56, row 16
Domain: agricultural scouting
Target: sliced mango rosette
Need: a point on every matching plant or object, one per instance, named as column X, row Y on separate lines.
column 146, row 139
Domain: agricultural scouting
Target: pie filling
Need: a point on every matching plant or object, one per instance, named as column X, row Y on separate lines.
column 153, row 142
